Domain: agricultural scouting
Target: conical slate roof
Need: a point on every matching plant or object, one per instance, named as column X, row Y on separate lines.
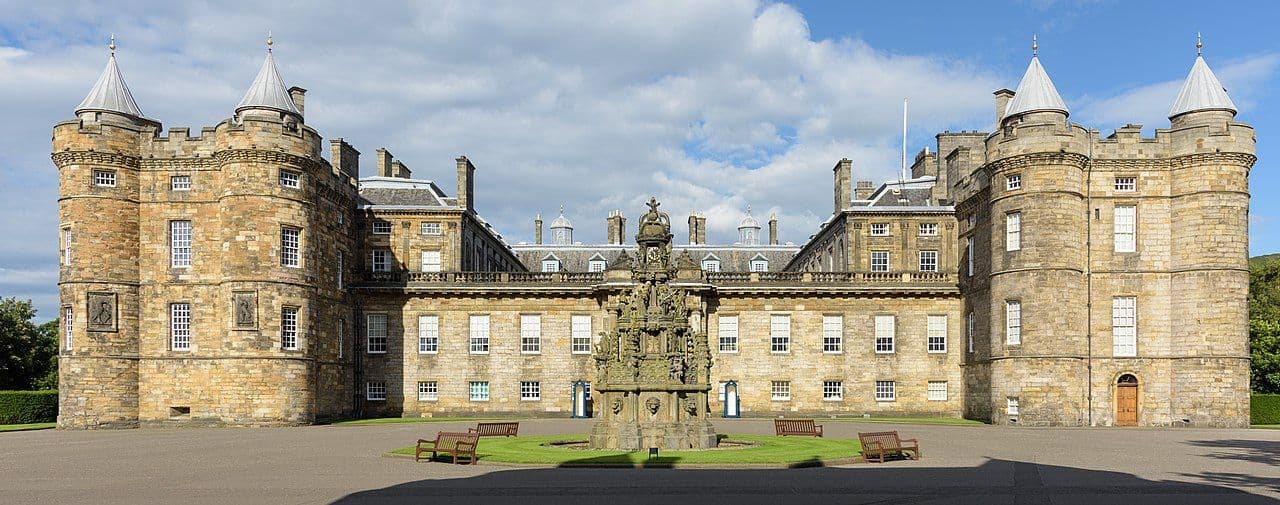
column 1201, row 91
column 268, row 91
column 1035, row 93
column 110, row 93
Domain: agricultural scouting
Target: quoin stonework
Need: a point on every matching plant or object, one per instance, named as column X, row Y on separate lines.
column 1038, row 274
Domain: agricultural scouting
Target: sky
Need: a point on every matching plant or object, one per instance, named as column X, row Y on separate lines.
column 709, row 105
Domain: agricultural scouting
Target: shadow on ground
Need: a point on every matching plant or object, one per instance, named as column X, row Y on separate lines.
column 994, row 481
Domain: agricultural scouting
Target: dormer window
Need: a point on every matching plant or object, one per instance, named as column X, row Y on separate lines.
column 711, row 263
column 759, row 264
column 1013, row 182
column 550, row 265
column 597, row 263
column 290, row 179
column 381, row 227
column 879, row 229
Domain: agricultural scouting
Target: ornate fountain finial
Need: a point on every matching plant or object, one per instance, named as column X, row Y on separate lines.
column 1035, row 45
column 269, row 41
column 112, row 45
column 1199, row 44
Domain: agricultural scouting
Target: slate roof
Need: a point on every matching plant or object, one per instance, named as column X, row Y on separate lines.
column 733, row 258
column 110, row 93
column 268, row 91
column 1035, row 93
column 1201, row 91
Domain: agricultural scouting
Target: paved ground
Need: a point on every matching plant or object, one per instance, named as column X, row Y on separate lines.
column 343, row 465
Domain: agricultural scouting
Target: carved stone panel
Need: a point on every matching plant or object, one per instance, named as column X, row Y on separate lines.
column 244, row 309
column 102, row 312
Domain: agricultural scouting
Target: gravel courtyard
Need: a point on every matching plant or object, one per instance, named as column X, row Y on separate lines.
column 345, row 465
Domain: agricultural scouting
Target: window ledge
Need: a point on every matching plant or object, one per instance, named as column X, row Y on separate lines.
column 375, row 352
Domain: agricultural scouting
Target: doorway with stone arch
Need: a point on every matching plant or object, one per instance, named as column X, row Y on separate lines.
column 1127, row 400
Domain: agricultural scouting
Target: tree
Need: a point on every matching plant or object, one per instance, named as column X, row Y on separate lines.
column 1264, row 288
column 1264, row 349
column 28, row 353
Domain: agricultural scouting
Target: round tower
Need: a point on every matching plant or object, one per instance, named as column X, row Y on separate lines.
column 561, row 229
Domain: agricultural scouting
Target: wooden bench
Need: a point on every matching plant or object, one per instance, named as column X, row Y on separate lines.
column 886, row 443
column 453, row 443
column 803, row 427
column 508, row 429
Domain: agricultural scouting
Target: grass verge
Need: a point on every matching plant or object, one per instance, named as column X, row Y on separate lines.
column 26, row 427
column 1266, row 426
column 402, row 420
column 770, row 450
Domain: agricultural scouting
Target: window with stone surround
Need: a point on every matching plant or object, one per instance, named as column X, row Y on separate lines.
column 968, row 253
column 180, row 326
column 928, row 230
column 428, row 334
column 1013, row 231
column 478, row 331
column 1013, row 182
column 780, row 333
column 66, row 246
column 375, row 390
column 289, row 328
column 290, row 179
column 1011, row 405
column 968, row 329
column 430, row 228
column 884, row 334
column 342, row 337
column 879, row 261
column 530, row 391
column 1124, row 326
column 428, row 391
column 180, row 183
column 479, row 391
column 1126, row 218
column 342, row 266
column 290, row 247
column 886, row 391
column 580, row 334
column 1013, row 322
column 380, row 260
column 430, row 261
column 928, row 261
column 376, row 334
column 1126, row 184
column 68, row 320
column 780, row 390
column 937, row 391
column 937, row 334
column 381, row 227
column 530, row 333
column 879, row 229
column 832, row 334
column 832, row 390
column 728, row 328
column 180, row 244
column 104, row 178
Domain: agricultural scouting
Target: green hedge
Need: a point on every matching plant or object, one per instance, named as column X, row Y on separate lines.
column 1264, row 409
column 23, row 407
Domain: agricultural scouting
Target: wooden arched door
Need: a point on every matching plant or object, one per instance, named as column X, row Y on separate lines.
column 1127, row 400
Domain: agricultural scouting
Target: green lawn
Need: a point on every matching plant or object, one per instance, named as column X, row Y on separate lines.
column 27, row 427
column 1267, row 426
column 951, row 421
column 777, row 450
column 399, row 420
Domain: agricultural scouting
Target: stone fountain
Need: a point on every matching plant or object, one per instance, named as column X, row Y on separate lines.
column 653, row 370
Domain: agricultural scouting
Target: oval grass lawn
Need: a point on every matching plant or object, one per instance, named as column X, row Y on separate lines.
column 788, row 451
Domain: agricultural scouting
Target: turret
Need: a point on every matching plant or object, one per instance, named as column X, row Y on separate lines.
column 267, row 97
column 1036, row 99
column 1202, row 99
column 749, row 229
column 561, row 229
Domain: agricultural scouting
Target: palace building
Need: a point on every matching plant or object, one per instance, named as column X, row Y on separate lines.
column 1038, row 274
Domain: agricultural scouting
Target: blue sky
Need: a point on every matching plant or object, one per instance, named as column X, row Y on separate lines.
column 712, row 106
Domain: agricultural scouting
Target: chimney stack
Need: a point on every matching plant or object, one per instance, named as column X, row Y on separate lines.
column 702, row 228
column 299, row 97
column 537, row 229
column 385, row 159
column 864, row 190
column 467, row 185
column 344, row 158
column 773, row 229
column 693, row 228
column 843, row 173
column 399, row 170
column 1002, row 104
column 616, row 227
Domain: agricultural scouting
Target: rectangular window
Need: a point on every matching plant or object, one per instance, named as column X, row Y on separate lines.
column 375, row 390
column 180, row 244
column 342, row 337
column 68, row 318
column 1124, row 326
column 596, row 265
column 780, row 333
column 580, row 334
column 884, row 334
column 937, row 391
column 1013, row 182
column 290, row 179
column 759, row 265
column 428, row 334
column 968, row 253
column 428, row 391
column 1013, row 231
column 879, row 229
column 711, row 265
column 724, row 386
column 380, row 261
column 780, row 390
column 886, row 391
column 376, row 334
column 289, row 328
column 430, row 261
column 290, row 247
column 430, row 228
column 1126, row 183
column 530, row 333
column 342, row 266
column 66, row 246
column 928, row 261
column 968, row 329
column 832, row 334
column 928, row 229
column 879, row 261
column 104, row 178
column 832, row 390
column 728, row 327
column 530, row 391
column 381, row 227
column 180, row 326
column 479, row 391
column 180, row 183
column 1011, row 405
column 1126, row 219
column 479, row 334
column 937, row 333
column 1013, row 322
column 550, row 265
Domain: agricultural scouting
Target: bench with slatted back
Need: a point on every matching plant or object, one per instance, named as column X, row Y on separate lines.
column 803, row 427
column 886, row 443
column 507, row 429
column 453, row 443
